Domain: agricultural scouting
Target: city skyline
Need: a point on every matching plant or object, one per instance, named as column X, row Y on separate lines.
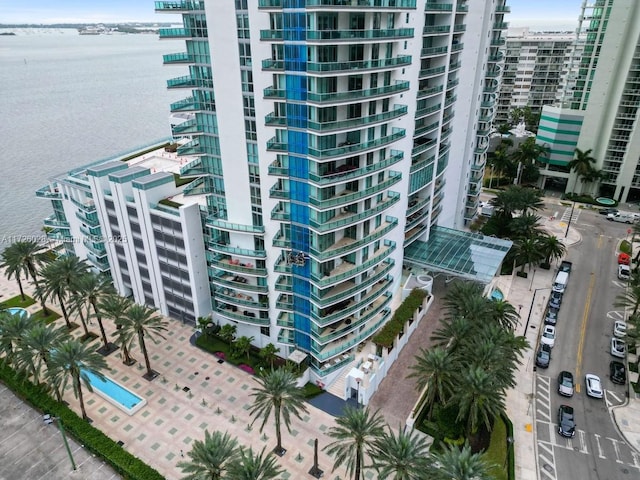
column 540, row 15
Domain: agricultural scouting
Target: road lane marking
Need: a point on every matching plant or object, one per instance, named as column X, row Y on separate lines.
column 600, row 454
column 583, row 442
column 583, row 327
column 544, row 414
column 635, row 459
column 578, row 387
column 618, row 399
column 600, row 240
column 615, row 447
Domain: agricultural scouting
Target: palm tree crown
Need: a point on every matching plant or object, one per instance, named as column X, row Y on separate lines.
column 355, row 433
column 209, row 458
column 404, row 456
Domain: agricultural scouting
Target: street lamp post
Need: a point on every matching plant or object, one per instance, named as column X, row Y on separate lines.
column 48, row 419
column 526, row 327
column 358, row 392
column 573, row 205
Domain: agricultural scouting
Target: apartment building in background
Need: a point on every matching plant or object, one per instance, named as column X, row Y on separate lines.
column 325, row 145
column 605, row 101
column 536, row 70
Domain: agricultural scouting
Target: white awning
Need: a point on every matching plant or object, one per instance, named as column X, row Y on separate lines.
column 297, row 356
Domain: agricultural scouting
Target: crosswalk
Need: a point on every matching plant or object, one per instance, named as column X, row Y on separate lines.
column 566, row 215
column 549, row 443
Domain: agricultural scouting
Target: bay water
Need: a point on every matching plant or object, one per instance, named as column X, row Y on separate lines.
column 67, row 100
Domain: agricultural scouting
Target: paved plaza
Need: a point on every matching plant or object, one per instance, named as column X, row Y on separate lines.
column 195, row 392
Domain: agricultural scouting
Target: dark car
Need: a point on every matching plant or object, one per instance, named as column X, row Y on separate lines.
column 607, row 211
column 543, row 357
column 566, row 421
column 555, row 300
column 551, row 317
column 617, row 373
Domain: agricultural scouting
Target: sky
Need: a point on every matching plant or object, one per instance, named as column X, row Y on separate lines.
column 537, row 14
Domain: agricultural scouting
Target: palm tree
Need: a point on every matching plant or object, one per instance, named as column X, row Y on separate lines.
column 630, row 299
column 13, row 267
column 404, row 456
column 251, row 466
column 551, row 248
column 228, row 333
column 57, row 278
column 453, row 463
column 433, row 370
column 464, row 299
column 115, row 307
column 93, row 288
column 268, row 353
column 12, row 330
column 73, row 361
column 35, row 347
column 478, row 399
column 141, row 322
column 526, row 225
column 504, row 314
column 529, row 152
column 527, row 252
column 452, row 333
column 77, row 304
column 581, row 164
column 356, row 431
column 242, row 346
column 277, row 392
column 210, row 458
column 30, row 255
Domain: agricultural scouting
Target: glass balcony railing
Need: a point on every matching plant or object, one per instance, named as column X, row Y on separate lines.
column 429, row 29
column 423, row 147
column 188, row 81
column 349, row 288
column 434, row 51
column 215, row 222
column 397, row 4
column 244, row 317
column 359, row 65
column 347, row 197
column 349, row 219
column 497, row 42
column 342, row 150
column 53, row 222
column 423, row 112
column 178, row 33
column 397, row 112
column 234, row 282
column 177, row 7
column 343, row 249
column 503, row 9
column 426, row 129
column 357, row 94
column 431, row 72
column 430, row 91
column 46, row 192
column 334, row 177
column 438, row 7
column 419, row 165
column 224, row 262
column 414, row 234
column 337, row 35
column 174, row 58
column 235, row 298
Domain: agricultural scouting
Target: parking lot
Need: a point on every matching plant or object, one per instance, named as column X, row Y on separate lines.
column 30, row 449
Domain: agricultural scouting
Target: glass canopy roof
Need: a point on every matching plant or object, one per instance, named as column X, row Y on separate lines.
column 469, row 255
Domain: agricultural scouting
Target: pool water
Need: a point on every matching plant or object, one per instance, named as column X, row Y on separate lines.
column 497, row 294
column 17, row 311
column 115, row 393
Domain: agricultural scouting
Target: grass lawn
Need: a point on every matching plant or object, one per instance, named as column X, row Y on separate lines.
column 498, row 450
column 17, row 302
column 41, row 317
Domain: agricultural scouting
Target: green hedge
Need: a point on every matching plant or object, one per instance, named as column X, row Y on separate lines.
column 127, row 465
column 387, row 334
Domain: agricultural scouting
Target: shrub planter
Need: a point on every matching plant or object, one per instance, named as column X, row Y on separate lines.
column 522, row 274
column 545, row 266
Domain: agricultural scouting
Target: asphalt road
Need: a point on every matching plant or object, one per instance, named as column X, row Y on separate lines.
column 584, row 330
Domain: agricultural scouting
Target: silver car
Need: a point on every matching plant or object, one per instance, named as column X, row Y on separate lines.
column 618, row 347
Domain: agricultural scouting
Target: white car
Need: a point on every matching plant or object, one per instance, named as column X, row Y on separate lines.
column 620, row 329
column 624, row 272
column 618, row 347
column 548, row 336
column 594, row 385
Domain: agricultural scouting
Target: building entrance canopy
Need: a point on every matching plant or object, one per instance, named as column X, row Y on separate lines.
column 472, row 256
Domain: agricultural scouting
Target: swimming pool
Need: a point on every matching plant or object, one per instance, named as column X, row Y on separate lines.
column 17, row 311
column 497, row 294
column 115, row 393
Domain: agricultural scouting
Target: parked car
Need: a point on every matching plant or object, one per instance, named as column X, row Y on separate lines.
column 622, row 217
column 619, row 329
column 543, row 357
column 594, row 385
column 566, row 421
column 565, row 383
column 617, row 372
column 565, row 266
column 607, row 211
column 555, row 299
column 551, row 317
column 548, row 336
column 624, row 259
column 624, row 272
column 618, row 347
